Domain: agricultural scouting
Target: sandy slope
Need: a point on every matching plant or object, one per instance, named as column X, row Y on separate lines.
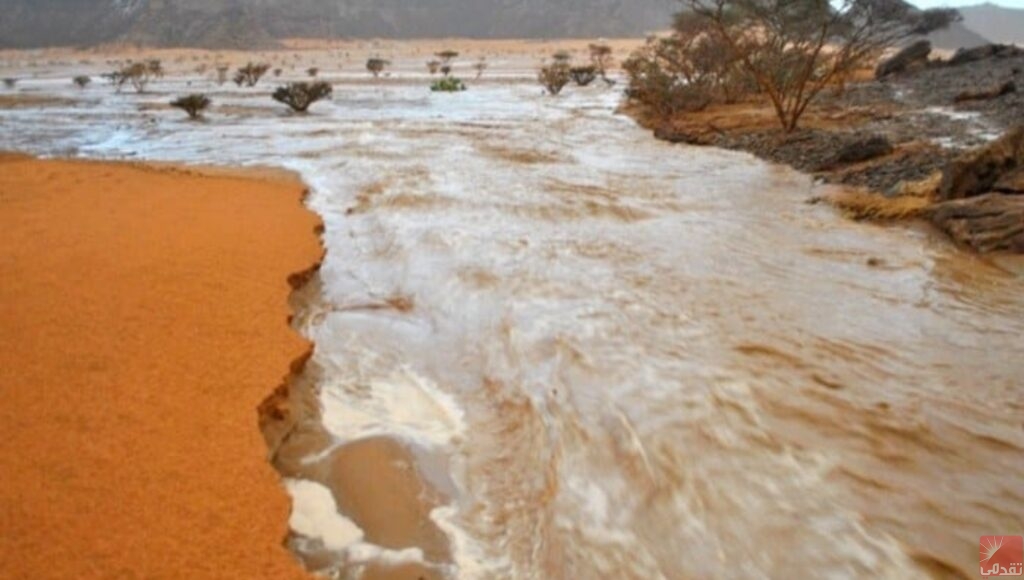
column 142, row 319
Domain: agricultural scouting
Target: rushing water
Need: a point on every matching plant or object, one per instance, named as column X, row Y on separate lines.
column 629, row 359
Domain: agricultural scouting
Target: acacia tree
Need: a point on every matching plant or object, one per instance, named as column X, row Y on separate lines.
column 193, row 105
column 299, row 96
column 794, row 49
column 376, row 66
column 447, row 57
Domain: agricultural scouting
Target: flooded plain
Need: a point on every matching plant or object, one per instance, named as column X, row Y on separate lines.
column 597, row 355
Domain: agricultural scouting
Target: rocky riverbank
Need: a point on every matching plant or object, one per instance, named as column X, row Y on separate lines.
column 897, row 137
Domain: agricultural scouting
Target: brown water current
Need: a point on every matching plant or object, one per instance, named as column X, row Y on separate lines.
column 563, row 349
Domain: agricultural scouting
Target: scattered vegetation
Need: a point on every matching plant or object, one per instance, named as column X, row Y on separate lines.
column 789, row 51
column 555, row 76
column 448, row 85
column 376, row 66
column 138, row 75
column 583, row 75
column 250, row 74
column 82, row 81
column 193, row 104
column 299, row 96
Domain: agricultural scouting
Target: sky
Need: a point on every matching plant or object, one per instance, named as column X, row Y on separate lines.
column 940, row 3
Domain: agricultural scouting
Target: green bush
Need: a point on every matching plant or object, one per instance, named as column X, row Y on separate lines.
column 448, row 85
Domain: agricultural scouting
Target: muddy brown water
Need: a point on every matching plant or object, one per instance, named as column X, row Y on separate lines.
column 601, row 356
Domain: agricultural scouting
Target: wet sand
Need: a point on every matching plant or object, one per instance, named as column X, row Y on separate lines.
column 142, row 320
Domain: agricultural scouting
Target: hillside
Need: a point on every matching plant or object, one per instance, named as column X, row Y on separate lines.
column 255, row 23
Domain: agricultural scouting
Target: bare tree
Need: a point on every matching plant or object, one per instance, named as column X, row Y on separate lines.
column 480, row 66
column 194, row 105
column 601, row 58
column 299, row 96
column 794, row 49
column 138, row 75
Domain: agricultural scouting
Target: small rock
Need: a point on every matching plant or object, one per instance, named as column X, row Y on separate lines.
column 862, row 149
column 1012, row 182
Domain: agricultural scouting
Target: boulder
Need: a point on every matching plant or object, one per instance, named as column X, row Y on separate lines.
column 976, row 172
column 966, row 55
column 985, row 94
column 913, row 55
column 987, row 223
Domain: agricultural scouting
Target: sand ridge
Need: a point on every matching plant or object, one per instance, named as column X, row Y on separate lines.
column 142, row 320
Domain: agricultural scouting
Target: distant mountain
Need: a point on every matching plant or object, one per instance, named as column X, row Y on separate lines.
column 256, row 23
column 1004, row 25
column 958, row 35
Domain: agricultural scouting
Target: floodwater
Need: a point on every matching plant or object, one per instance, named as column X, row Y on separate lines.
column 614, row 357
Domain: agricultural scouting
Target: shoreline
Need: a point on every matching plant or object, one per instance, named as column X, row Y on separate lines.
column 892, row 143
column 142, row 327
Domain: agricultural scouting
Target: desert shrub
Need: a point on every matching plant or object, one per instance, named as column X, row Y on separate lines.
column 194, row 104
column 277, row 72
column 448, row 85
column 82, row 81
column 554, row 77
column 654, row 84
column 10, row 82
column 583, row 75
column 433, row 66
column 299, row 96
column 250, row 74
column 561, row 56
column 376, row 66
column 313, row 71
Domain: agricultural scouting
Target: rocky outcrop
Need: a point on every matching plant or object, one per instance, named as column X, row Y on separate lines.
column 1012, row 182
column 968, row 55
column 994, row 92
column 987, row 223
column 913, row 56
column 976, row 173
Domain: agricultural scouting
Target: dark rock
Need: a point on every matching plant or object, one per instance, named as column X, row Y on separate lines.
column 987, row 223
column 862, row 150
column 1012, row 182
column 986, row 94
column 913, row 55
column 966, row 55
column 977, row 172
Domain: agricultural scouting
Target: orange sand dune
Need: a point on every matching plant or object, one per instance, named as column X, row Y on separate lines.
column 142, row 320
